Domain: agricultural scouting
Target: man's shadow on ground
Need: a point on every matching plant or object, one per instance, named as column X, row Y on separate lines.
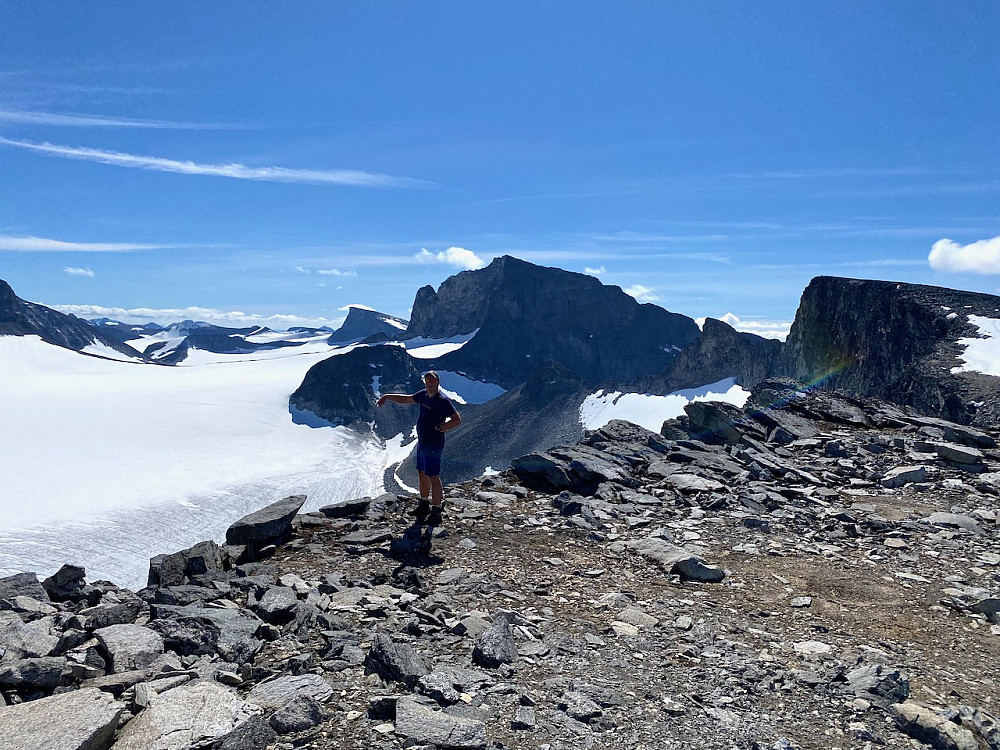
column 414, row 548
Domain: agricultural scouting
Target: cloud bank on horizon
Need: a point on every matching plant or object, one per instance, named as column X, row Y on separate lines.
column 981, row 257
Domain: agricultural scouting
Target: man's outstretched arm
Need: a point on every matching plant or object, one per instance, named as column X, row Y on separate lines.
column 396, row 398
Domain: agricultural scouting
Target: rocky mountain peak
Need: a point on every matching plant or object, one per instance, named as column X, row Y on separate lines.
column 362, row 323
column 526, row 313
column 8, row 302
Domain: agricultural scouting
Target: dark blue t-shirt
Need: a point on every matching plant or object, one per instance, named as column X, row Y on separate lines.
column 433, row 411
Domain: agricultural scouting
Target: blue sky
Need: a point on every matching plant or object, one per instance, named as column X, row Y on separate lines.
column 289, row 159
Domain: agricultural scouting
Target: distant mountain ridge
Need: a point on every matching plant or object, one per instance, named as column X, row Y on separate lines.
column 21, row 318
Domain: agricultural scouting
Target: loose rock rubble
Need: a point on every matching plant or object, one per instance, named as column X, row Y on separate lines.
column 812, row 571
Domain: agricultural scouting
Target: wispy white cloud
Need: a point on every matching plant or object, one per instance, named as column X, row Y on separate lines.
column 236, row 171
column 454, row 256
column 23, row 117
column 165, row 316
column 335, row 272
column 981, row 257
column 594, row 271
column 642, row 293
column 78, row 271
column 768, row 329
column 45, row 245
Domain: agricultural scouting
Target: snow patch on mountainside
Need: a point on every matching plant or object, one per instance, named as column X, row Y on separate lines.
column 651, row 411
column 424, row 348
column 982, row 354
column 464, row 390
column 103, row 350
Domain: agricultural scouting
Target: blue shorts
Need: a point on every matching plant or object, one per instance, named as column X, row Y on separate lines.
column 429, row 460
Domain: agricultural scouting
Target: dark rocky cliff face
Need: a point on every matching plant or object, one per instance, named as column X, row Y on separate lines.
column 893, row 341
column 20, row 318
column 362, row 323
column 340, row 389
column 720, row 352
column 526, row 313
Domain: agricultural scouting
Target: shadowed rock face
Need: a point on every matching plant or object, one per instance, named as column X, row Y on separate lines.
column 893, row 341
column 526, row 313
column 720, row 352
column 340, row 389
column 20, row 318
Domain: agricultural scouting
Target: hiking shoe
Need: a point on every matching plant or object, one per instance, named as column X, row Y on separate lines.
column 434, row 519
column 422, row 509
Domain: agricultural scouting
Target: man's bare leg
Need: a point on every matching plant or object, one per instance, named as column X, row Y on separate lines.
column 437, row 491
column 425, row 484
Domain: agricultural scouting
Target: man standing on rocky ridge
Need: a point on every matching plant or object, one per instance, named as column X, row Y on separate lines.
column 437, row 416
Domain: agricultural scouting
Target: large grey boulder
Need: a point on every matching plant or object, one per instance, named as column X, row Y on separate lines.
column 66, row 584
column 22, row 584
column 297, row 716
column 278, row 692
column 44, row 673
column 204, row 560
column 278, row 605
column 270, row 525
column 420, row 724
column 673, row 559
column 185, row 717
column 130, row 646
column 496, row 646
column 394, row 661
column 24, row 640
column 104, row 615
column 193, row 629
column 879, row 684
column 926, row 725
column 253, row 734
column 80, row 720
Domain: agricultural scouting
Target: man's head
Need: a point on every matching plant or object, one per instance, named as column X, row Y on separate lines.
column 431, row 381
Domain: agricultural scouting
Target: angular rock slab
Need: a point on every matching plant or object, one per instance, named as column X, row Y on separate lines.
column 928, row 726
column 346, row 508
column 396, row 662
column 24, row 640
column 424, row 725
column 184, row 717
column 44, row 672
column 130, row 646
column 81, row 720
column 267, row 524
column 277, row 693
column 203, row 559
column 903, row 475
column 674, row 559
